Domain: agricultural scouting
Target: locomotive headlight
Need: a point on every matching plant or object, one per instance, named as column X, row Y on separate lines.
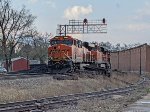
column 49, row 58
column 65, row 37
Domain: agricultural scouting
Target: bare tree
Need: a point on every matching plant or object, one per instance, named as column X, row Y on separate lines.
column 40, row 46
column 14, row 26
column 35, row 46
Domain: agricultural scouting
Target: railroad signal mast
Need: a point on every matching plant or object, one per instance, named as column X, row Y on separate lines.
column 82, row 27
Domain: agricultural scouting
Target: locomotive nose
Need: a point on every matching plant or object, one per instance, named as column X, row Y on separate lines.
column 59, row 52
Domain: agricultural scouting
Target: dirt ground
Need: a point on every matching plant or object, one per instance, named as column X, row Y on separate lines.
column 41, row 87
column 115, row 103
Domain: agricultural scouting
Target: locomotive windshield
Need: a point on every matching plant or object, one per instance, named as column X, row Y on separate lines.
column 66, row 42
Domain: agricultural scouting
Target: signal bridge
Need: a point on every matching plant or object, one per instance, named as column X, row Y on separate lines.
column 82, row 27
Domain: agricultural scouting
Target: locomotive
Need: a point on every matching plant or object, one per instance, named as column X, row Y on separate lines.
column 67, row 54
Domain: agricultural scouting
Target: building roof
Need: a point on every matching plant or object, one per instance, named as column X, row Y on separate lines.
column 18, row 58
column 131, row 48
column 34, row 61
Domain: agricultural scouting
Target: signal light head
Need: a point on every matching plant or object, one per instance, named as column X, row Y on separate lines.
column 85, row 21
column 104, row 21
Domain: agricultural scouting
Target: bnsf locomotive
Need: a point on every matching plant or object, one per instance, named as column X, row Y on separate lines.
column 68, row 54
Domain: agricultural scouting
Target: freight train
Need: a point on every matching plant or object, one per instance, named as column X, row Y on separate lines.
column 67, row 54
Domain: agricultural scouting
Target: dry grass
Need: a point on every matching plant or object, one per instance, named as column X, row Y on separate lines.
column 34, row 88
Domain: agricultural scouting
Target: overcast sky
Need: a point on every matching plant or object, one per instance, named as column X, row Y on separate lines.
column 128, row 20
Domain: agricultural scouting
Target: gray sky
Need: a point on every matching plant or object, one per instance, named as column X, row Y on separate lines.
column 128, row 20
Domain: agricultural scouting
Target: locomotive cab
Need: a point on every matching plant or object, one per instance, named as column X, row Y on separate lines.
column 60, row 53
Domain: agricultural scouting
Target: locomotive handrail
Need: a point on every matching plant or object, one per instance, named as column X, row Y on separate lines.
column 67, row 56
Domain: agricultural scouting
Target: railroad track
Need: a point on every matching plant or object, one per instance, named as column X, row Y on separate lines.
column 24, row 76
column 21, row 76
column 14, row 76
column 53, row 102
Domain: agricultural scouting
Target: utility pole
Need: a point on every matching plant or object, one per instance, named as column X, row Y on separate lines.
column 140, row 61
column 130, row 60
column 118, row 60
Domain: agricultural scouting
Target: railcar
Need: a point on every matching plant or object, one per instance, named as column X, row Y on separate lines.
column 66, row 54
